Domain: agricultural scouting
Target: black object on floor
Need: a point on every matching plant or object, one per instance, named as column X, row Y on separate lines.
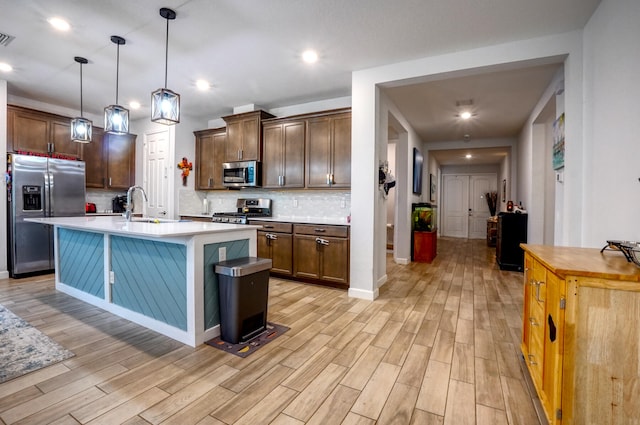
column 243, row 349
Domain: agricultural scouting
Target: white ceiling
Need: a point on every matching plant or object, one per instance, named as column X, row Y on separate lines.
column 249, row 51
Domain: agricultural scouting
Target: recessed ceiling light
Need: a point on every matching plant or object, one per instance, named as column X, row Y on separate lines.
column 134, row 105
column 203, row 85
column 5, row 67
column 468, row 156
column 465, row 115
column 59, row 24
column 310, row 56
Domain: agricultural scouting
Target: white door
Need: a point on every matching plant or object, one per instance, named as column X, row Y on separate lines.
column 455, row 213
column 480, row 185
column 157, row 183
column 465, row 210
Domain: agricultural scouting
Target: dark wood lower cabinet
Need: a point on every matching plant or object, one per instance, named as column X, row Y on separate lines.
column 306, row 252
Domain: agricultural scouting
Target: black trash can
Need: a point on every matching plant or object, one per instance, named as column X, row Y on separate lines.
column 244, row 293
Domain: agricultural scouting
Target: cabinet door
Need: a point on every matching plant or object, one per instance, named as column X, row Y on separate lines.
column 210, row 154
column 334, row 260
column 553, row 346
column 30, row 132
column 306, row 262
column 234, row 141
column 204, row 161
column 341, row 151
column 293, row 166
column 61, row 139
column 279, row 248
column 251, row 132
column 318, row 152
column 272, row 156
column 121, row 156
column 93, row 154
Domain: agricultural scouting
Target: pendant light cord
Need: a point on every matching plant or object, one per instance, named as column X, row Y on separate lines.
column 81, row 115
column 166, row 54
column 117, row 70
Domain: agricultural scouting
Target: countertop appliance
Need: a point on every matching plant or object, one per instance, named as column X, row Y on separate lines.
column 119, row 204
column 40, row 187
column 90, row 208
column 241, row 174
column 246, row 210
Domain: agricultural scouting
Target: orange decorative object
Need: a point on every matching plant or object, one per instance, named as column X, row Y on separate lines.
column 185, row 166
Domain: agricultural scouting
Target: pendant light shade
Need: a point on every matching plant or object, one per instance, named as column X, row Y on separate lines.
column 81, row 128
column 165, row 104
column 116, row 117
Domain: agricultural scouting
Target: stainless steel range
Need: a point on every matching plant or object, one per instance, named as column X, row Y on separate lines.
column 246, row 210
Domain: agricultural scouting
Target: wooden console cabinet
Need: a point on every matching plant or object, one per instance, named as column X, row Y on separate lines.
column 581, row 333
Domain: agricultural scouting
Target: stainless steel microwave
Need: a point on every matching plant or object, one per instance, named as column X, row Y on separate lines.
column 241, row 174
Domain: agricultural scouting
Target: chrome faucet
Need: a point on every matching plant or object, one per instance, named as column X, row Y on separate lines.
column 129, row 211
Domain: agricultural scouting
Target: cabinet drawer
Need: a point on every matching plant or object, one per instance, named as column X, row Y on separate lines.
column 273, row 226
column 324, row 230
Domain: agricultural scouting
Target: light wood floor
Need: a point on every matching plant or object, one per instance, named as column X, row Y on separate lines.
column 439, row 346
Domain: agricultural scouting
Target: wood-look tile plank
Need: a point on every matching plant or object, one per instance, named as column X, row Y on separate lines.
column 487, row 384
column 460, row 402
column 18, row 384
column 420, row 417
column 427, row 333
column 354, row 349
column 463, row 364
column 200, row 408
column 306, row 403
column 131, row 408
column 375, row 393
column 283, row 419
column 399, row 407
column 414, row 366
column 307, row 350
column 259, row 389
column 489, row 416
column 314, row 366
column 177, row 401
column 360, row 373
column 355, row 419
column 443, row 346
column 399, row 348
column 336, row 406
column 433, row 392
column 61, row 408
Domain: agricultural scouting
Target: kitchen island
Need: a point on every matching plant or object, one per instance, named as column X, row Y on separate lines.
column 156, row 273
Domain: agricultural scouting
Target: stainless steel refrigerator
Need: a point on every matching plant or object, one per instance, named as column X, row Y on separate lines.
column 40, row 187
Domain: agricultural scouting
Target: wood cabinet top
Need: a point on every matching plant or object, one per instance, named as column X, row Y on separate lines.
column 586, row 262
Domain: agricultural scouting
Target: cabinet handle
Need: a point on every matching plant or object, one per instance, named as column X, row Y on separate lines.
column 332, row 181
column 319, row 230
column 239, row 154
column 533, row 322
column 267, row 226
column 271, row 236
column 532, row 359
column 109, row 181
column 538, row 283
column 210, row 181
column 321, row 241
column 328, row 179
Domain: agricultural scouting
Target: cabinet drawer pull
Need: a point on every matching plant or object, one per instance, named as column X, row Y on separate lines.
column 267, row 226
column 321, row 241
column 319, row 230
column 532, row 359
column 109, row 181
column 533, row 322
column 210, row 182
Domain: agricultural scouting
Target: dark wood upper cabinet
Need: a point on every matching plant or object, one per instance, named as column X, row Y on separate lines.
column 244, row 136
column 110, row 160
column 328, row 151
column 283, row 154
column 39, row 132
column 210, row 154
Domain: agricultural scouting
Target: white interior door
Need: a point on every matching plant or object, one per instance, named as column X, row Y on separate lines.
column 480, row 185
column 455, row 212
column 156, row 178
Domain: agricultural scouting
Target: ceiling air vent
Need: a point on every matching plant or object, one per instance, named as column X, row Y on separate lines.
column 5, row 39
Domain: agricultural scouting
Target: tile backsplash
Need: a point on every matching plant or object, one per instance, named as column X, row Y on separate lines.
column 334, row 204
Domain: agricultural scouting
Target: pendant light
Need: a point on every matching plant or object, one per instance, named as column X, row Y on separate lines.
column 165, row 104
column 81, row 127
column 116, row 117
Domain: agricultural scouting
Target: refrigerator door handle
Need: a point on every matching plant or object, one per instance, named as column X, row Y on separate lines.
column 48, row 199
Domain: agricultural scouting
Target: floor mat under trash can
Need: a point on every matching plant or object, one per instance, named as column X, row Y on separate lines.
column 243, row 349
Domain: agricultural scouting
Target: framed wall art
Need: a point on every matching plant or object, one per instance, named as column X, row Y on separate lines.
column 558, row 143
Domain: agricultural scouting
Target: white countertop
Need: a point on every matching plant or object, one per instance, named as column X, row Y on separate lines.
column 118, row 225
column 337, row 221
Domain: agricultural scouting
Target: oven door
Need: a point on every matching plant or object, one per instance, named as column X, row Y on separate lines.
column 241, row 174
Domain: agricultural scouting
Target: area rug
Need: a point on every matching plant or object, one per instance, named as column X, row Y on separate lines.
column 23, row 348
column 243, row 349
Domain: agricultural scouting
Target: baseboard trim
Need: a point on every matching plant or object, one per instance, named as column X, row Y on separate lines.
column 363, row 294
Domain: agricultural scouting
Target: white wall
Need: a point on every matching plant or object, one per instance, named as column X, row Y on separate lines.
column 4, row 273
column 611, row 137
